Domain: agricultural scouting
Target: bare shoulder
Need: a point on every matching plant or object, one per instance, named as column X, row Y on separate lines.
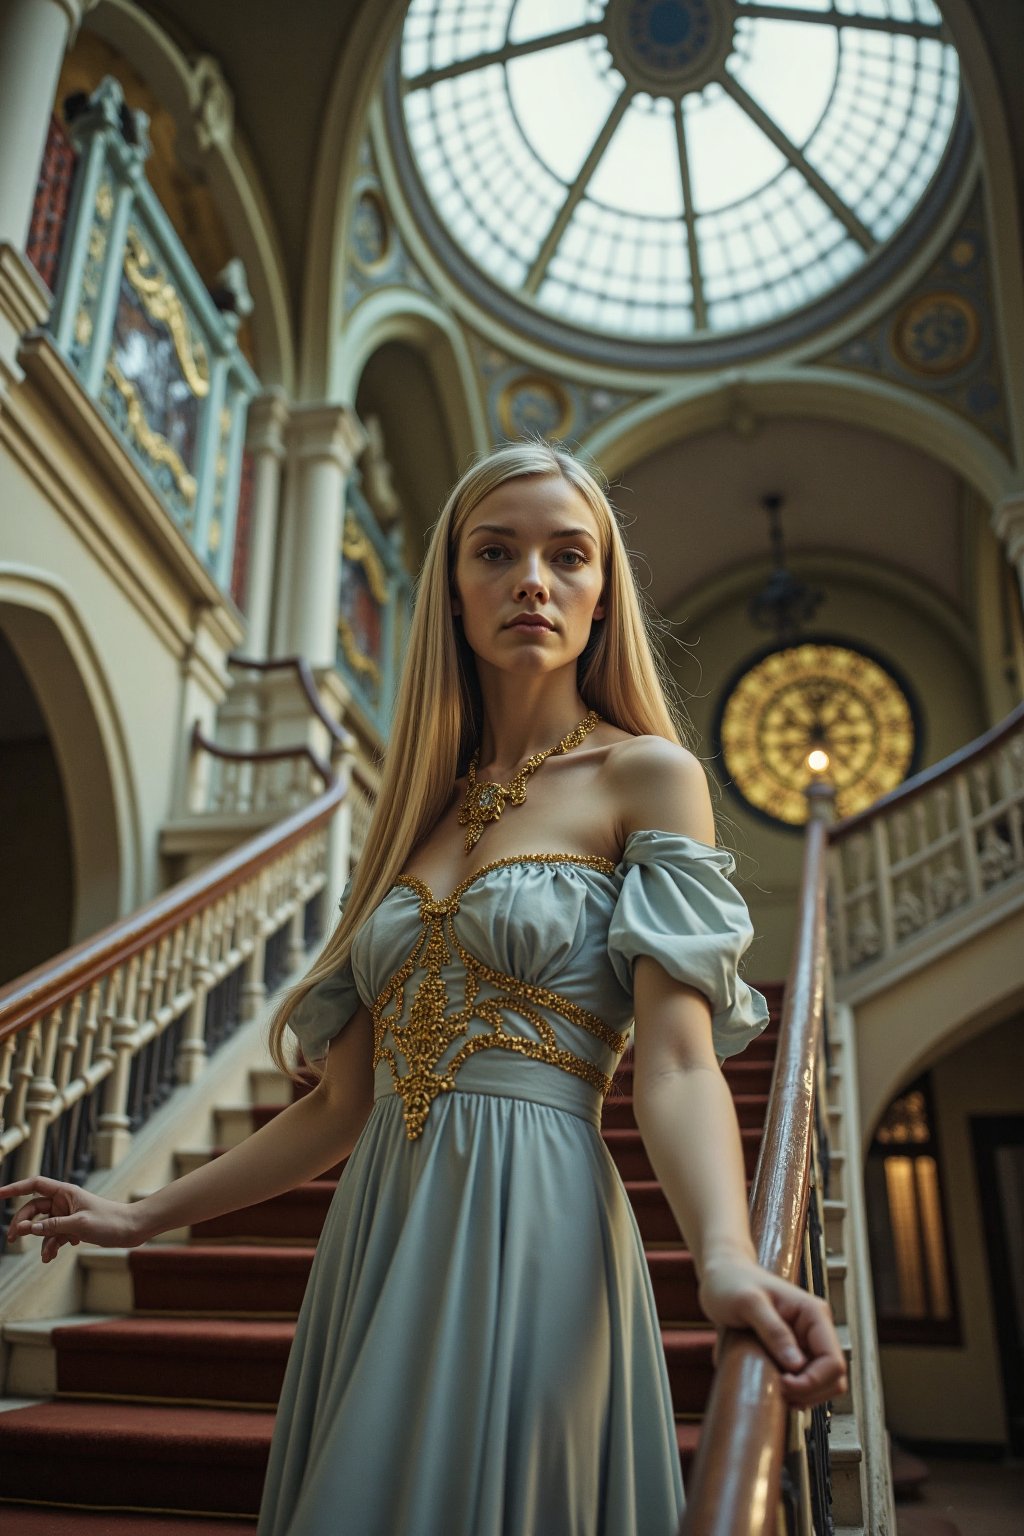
column 657, row 784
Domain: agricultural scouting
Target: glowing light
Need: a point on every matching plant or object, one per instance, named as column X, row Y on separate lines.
column 818, row 761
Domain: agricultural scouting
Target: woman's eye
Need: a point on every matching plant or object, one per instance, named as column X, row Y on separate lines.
column 488, row 550
column 576, row 556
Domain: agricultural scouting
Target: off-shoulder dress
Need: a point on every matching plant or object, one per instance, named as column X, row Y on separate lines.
column 478, row 1352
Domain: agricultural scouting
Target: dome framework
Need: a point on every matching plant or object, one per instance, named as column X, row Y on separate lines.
column 672, row 171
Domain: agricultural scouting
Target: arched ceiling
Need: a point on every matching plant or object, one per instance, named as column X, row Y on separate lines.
column 694, row 508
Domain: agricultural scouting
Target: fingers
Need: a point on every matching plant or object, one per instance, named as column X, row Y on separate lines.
column 798, row 1331
column 774, row 1332
column 37, row 1186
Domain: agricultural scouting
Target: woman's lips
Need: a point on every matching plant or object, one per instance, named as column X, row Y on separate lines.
column 531, row 622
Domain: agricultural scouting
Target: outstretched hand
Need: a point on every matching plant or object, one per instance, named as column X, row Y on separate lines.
column 63, row 1213
column 795, row 1327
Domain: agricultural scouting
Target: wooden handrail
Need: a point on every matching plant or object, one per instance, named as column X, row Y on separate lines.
column 57, row 980
column 736, row 1478
column 929, row 777
column 264, row 755
column 344, row 740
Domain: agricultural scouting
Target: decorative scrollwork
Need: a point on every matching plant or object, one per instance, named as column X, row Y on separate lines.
column 153, row 445
column 162, row 303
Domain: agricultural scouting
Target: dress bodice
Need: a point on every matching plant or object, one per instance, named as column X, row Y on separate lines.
column 531, row 957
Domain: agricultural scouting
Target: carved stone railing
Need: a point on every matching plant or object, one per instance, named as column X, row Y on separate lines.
column 153, row 347
column 92, row 1042
column 945, row 851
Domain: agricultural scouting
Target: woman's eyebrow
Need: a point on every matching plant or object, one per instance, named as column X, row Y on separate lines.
column 513, row 533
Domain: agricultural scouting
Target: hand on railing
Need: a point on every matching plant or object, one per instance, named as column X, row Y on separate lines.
column 795, row 1327
column 64, row 1213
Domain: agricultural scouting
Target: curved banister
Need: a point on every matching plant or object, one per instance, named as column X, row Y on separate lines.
column 928, row 778
column 736, row 1477
column 263, row 755
column 54, row 982
column 344, row 740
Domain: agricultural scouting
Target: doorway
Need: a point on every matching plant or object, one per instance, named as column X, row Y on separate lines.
column 999, row 1161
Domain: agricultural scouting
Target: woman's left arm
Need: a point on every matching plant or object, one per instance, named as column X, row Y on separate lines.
column 686, row 1117
column 685, row 1114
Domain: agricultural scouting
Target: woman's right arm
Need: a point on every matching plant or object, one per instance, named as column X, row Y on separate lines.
column 310, row 1135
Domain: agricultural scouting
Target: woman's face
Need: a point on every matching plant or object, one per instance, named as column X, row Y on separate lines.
column 530, row 551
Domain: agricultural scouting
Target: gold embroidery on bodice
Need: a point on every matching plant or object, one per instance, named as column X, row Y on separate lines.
column 432, row 1026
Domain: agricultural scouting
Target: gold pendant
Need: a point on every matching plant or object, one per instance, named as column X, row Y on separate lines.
column 483, row 803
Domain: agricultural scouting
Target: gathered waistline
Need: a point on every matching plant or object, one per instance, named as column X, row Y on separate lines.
column 588, row 1112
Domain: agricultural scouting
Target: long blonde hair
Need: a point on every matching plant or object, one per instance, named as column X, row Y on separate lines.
column 437, row 716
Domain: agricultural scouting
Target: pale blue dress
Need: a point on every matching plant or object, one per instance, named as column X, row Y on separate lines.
column 478, row 1352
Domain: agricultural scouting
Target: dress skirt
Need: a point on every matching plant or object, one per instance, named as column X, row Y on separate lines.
column 478, row 1352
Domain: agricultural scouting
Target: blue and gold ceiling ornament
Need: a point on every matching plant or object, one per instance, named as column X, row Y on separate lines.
column 376, row 256
column 942, row 339
column 525, row 401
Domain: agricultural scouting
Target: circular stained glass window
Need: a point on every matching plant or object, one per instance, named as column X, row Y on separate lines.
column 663, row 170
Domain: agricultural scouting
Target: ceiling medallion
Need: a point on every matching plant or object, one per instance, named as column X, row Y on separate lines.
column 669, row 47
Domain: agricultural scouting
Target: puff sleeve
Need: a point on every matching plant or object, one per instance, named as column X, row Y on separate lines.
column 326, row 1008
column 678, row 905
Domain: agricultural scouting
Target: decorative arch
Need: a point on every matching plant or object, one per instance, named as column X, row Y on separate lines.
column 812, row 393
column 423, row 324
column 200, row 101
column 914, row 1021
column 352, row 93
column 53, row 646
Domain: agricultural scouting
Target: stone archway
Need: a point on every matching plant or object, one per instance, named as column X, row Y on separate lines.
column 49, row 645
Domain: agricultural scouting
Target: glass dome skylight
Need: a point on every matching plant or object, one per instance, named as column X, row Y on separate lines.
column 659, row 169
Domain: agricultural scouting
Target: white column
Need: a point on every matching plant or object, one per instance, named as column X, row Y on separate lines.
column 1008, row 524
column 324, row 442
column 34, row 36
column 265, row 440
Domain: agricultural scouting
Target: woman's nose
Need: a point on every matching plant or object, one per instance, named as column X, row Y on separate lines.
column 530, row 581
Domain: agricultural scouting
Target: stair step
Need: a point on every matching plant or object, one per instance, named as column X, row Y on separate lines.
column 246, row 1278
column 674, row 1279
column 221, row 1361
column 202, row 1461
column 690, row 1371
column 297, row 1215
column 687, row 1439
column 29, row 1520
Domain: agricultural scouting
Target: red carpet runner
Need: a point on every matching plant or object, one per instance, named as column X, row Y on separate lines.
column 163, row 1418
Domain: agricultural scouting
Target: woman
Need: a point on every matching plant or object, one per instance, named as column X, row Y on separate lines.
column 478, row 1350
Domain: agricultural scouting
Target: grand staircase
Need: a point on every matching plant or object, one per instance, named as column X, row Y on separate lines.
column 161, row 1393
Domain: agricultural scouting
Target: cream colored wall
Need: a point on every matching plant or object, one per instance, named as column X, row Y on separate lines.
column 956, row 1393
column 103, row 601
column 941, row 674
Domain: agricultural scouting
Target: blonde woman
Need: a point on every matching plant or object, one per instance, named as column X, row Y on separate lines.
column 478, row 1352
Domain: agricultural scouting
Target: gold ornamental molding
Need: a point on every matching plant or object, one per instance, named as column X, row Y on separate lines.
column 152, row 443
column 354, row 656
column 356, row 546
column 162, row 303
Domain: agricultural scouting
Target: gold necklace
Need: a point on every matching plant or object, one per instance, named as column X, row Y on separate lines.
column 485, row 802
